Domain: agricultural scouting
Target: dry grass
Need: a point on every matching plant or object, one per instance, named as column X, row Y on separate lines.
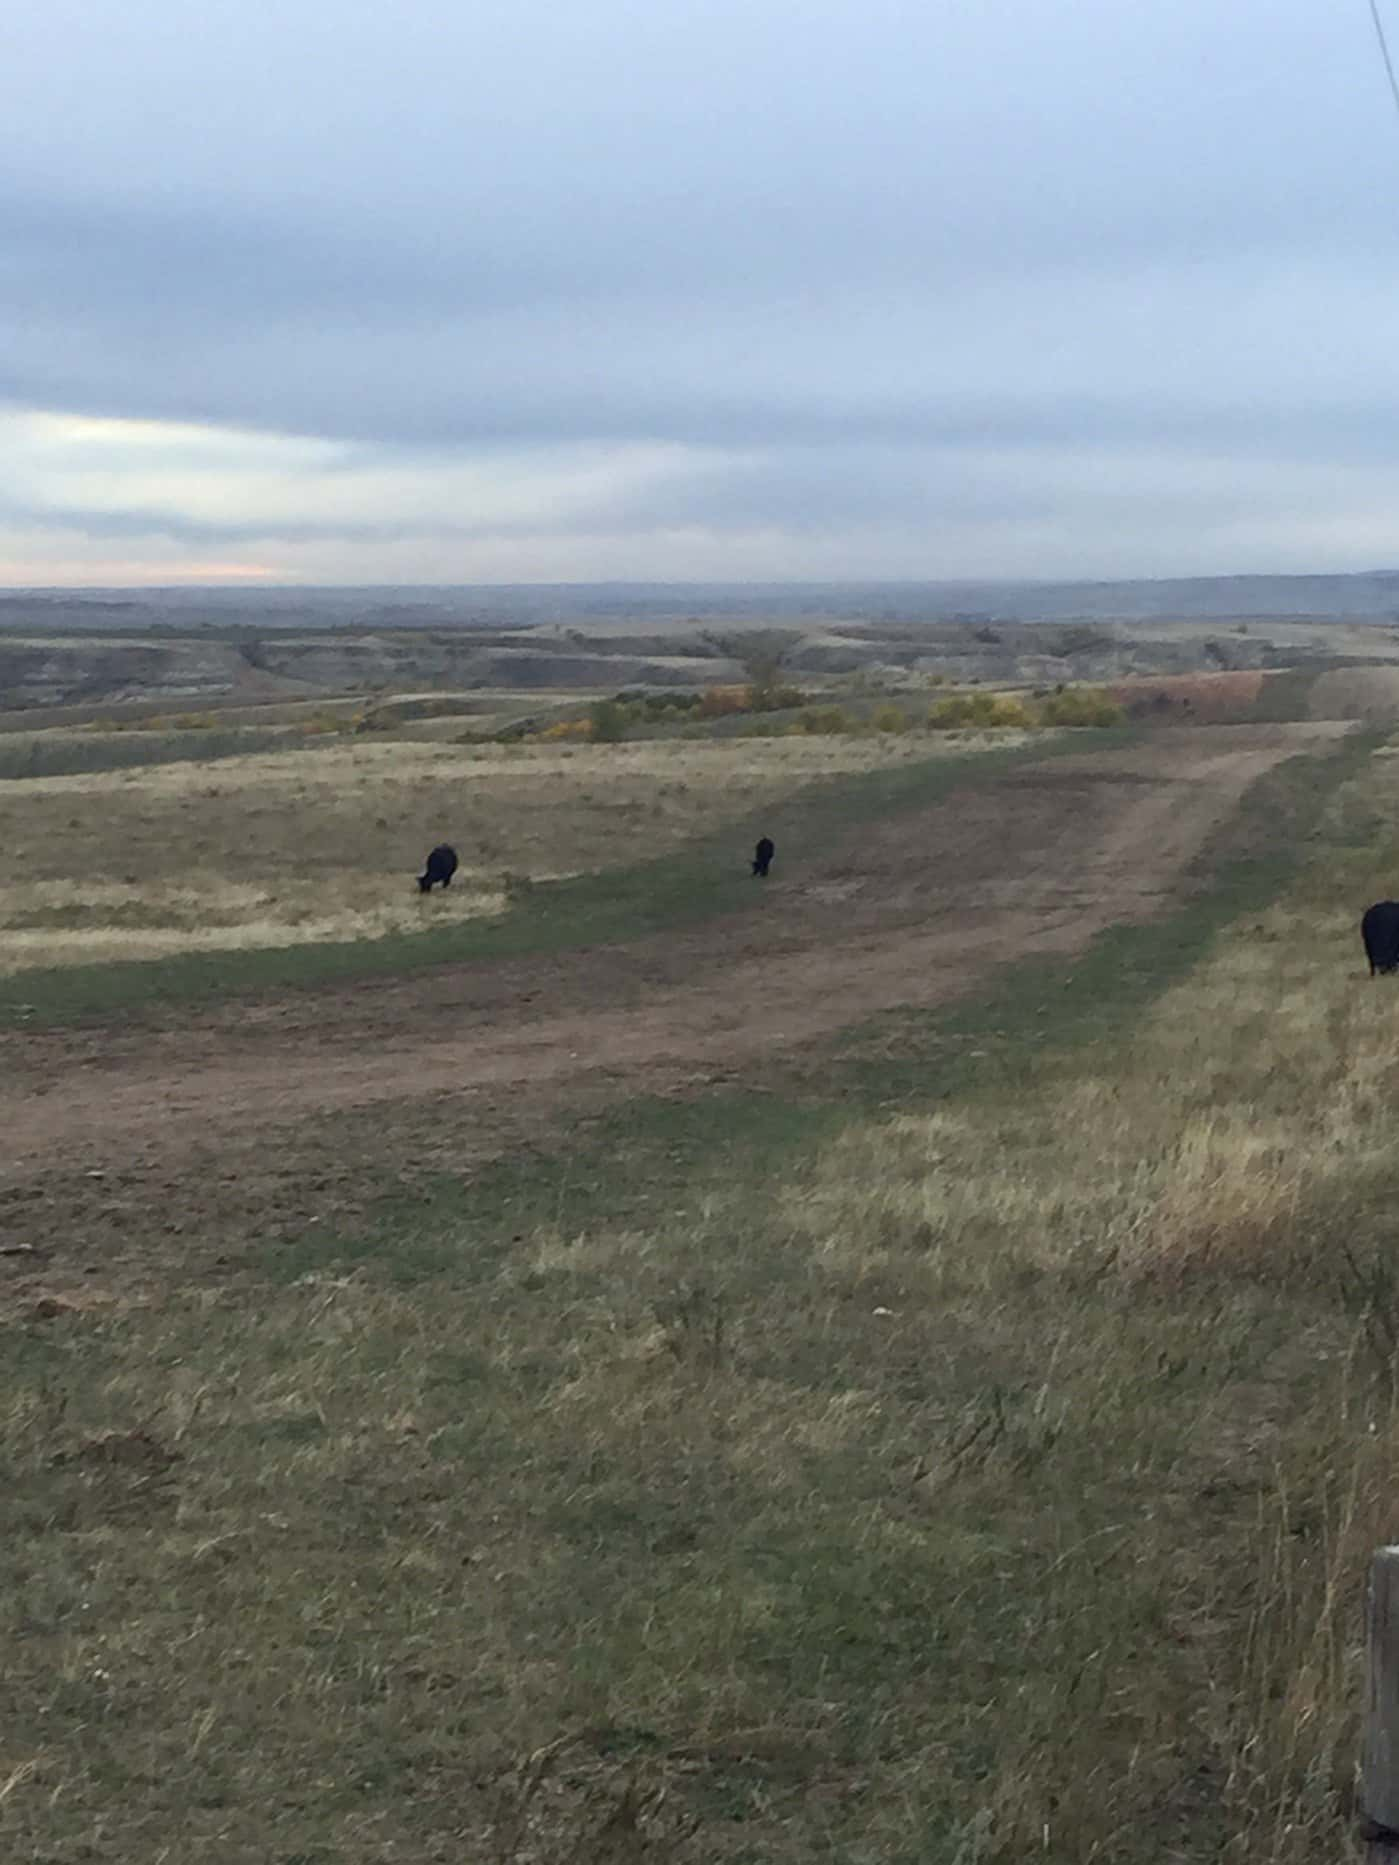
column 983, row 1479
column 1201, row 698
column 286, row 849
column 1157, row 1291
column 1370, row 693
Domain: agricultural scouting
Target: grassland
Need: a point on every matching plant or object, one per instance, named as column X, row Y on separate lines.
column 283, row 866
column 69, row 754
column 960, row 1446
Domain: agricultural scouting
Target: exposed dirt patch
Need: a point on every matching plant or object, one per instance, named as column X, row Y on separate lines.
column 153, row 1128
column 1191, row 699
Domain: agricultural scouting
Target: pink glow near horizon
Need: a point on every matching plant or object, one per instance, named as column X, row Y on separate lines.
column 124, row 574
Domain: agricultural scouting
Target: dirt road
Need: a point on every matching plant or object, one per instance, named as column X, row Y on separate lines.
column 1025, row 864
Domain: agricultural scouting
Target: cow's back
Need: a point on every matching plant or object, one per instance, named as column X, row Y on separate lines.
column 1379, row 933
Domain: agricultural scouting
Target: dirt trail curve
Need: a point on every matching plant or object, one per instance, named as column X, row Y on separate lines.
column 1025, row 863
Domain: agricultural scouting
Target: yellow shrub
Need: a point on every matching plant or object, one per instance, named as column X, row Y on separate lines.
column 1081, row 705
column 959, row 710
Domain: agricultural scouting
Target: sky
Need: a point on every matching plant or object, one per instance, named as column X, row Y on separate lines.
column 531, row 290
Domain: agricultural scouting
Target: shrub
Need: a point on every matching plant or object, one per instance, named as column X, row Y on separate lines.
column 821, row 720
column 986, row 710
column 323, row 722
column 566, row 730
column 1081, row 705
column 609, row 722
column 657, row 708
column 890, row 719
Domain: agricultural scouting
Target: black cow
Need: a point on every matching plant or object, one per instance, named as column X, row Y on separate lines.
column 762, row 856
column 1379, row 928
column 441, row 866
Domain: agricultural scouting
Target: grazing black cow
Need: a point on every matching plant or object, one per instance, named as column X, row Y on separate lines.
column 441, row 866
column 1379, row 928
column 762, row 856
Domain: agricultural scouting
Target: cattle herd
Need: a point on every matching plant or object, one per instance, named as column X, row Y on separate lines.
column 442, row 864
column 1379, row 924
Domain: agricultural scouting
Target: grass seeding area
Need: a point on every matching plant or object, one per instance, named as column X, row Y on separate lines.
column 961, row 1441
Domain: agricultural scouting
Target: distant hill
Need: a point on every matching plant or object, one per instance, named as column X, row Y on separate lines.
column 1372, row 596
column 67, row 648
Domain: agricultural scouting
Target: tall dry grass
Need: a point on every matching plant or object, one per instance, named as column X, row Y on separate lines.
column 1156, row 1287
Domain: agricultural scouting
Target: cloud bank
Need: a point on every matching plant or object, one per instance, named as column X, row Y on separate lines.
column 515, row 292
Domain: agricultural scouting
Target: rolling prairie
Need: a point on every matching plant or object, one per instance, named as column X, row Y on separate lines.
column 899, row 1368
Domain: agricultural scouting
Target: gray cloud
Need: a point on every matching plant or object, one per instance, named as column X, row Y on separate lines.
column 884, row 270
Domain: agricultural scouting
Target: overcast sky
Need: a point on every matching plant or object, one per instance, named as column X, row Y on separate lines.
column 523, row 290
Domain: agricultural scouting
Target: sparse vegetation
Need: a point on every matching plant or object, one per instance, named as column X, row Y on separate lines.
column 412, row 708
column 74, row 753
column 968, row 1451
column 958, row 1440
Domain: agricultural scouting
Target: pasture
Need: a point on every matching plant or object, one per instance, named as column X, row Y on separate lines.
column 902, row 1368
column 312, row 845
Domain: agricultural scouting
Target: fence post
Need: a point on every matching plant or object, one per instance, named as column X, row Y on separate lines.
column 1379, row 1767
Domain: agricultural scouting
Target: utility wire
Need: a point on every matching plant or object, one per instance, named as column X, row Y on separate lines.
column 1384, row 53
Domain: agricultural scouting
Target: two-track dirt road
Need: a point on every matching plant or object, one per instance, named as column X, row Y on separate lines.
column 132, row 1153
column 1023, row 864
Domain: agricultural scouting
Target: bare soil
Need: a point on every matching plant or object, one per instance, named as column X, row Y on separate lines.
column 1195, row 699
column 163, row 1124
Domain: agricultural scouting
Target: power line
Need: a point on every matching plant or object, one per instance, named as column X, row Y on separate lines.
column 1384, row 53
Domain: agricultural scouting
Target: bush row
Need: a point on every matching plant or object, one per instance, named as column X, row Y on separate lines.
column 610, row 720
